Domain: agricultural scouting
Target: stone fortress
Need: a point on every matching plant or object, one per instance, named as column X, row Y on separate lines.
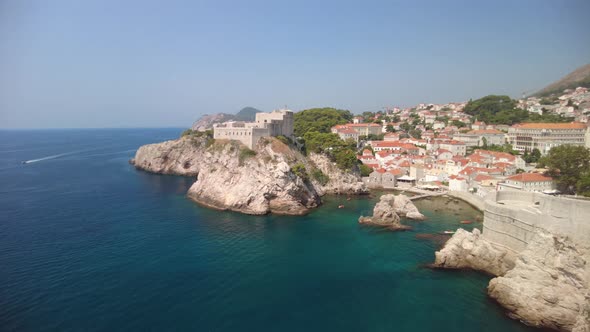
column 275, row 123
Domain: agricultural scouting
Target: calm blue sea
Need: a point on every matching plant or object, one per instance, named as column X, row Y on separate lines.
column 88, row 243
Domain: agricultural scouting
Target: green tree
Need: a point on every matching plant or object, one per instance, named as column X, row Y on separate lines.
column 416, row 133
column 365, row 170
column 495, row 109
column 345, row 158
column 390, row 129
column 458, row 124
column 406, row 126
column 567, row 164
column 319, row 120
column 583, row 185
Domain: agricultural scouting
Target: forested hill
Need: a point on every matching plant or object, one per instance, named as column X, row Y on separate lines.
column 320, row 120
column 503, row 110
column 247, row 114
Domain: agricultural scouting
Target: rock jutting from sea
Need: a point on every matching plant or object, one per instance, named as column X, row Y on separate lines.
column 272, row 178
column 538, row 249
column 388, row 210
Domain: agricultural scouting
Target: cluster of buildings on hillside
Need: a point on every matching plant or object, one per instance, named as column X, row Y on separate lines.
column 443, row 154
column 444, row 160
column 573, row 103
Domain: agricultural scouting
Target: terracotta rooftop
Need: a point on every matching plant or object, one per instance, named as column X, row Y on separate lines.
column 529, row 177
column 572, row 125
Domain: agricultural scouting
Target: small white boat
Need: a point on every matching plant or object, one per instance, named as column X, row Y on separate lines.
column 449, row 232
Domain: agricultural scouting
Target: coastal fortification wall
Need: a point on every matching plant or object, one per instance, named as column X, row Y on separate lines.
column 512, row 217
column 472, row 199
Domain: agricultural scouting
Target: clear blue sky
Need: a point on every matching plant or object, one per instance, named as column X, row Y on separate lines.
column 115, row 63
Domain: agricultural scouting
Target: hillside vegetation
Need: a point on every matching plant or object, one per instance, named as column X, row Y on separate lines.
column 503, row 110
column 319, row 120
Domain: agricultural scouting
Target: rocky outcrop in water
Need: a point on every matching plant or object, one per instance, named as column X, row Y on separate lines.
column 273, row 178
column 405, row 208
column 469, row 250
column 548, row 285
column 388, row 210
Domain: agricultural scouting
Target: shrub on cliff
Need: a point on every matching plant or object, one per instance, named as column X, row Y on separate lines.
column 320, row 177
column 299, row 170
column 196, row 133
column 245, row 153
column 365, row 170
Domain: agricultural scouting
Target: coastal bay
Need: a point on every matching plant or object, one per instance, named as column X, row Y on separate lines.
column 90, row 243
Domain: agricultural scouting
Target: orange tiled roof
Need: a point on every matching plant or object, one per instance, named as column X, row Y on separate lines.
column 572, row 125
column 529, row 177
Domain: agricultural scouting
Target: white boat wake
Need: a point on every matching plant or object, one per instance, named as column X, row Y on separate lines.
column 49, row 157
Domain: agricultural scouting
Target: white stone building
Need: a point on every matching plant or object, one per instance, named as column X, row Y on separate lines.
column 275, row 123
column 544, row 136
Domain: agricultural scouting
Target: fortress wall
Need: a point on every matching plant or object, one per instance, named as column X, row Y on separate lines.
column 511, row 218
column 257, row 134
column 472, row 199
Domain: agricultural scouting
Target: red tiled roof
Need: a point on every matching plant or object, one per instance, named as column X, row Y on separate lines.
column 482, row 177
column 529, row 177
column 572, row 125
column 397, row 171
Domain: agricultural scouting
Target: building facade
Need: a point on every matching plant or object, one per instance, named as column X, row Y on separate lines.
column 528, row 182
column 544, row 136
column 274, row 123
column 476, row 138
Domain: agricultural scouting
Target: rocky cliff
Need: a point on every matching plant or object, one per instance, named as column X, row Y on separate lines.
column 272, row 178
column 469, row 250
column 207, row 121
column 388, row 210
column 546, row 285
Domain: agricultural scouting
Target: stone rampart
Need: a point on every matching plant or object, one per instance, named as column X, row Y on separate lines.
column 511, row 218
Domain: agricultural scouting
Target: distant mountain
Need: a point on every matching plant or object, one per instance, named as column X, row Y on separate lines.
column 247, row 114
column 207, row 121
column 579, row 77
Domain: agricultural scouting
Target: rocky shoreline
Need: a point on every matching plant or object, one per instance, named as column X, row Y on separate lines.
column 272, row 178
column 545, row 285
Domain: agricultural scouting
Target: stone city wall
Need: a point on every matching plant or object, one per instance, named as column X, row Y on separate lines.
column 511, row 218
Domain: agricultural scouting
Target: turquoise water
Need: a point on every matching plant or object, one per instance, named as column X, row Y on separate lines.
column 87, row 243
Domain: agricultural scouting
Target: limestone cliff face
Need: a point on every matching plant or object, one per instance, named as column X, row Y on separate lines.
column 178, row 157
column 273, row 178
column 548, row 284
column 583, row 321
column 468, row 250
column 340, row 182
